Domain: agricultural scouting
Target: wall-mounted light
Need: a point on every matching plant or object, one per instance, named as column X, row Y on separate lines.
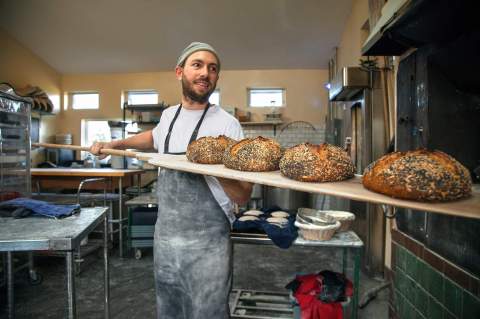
column 327, row 86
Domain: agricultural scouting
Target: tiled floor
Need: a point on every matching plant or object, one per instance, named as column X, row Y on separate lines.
column 132, row 286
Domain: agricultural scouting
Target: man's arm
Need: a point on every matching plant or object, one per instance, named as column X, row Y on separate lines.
column 142, row 141
column 238, row 191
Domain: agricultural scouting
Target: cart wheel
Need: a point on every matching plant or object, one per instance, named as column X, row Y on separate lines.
column 34, row 278
column 138, row 254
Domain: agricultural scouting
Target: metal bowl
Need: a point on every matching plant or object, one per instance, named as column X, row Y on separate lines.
column 314, row 217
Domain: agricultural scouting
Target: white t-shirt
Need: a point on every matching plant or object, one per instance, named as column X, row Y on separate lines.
column 216, row 122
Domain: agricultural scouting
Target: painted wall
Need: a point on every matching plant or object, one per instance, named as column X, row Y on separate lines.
column 349, row 52
column 20, row 67
column 305, row 93
column 349, row 49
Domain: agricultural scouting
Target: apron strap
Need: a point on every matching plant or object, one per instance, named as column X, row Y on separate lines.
column 194, row 134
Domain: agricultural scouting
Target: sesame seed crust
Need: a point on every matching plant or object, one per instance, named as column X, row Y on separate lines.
column 208, row 149
column 419, row 175
column 258, row 154
column 316, row 163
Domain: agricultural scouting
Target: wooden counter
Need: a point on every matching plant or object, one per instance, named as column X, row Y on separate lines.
column 85, row 172
column 69, row 178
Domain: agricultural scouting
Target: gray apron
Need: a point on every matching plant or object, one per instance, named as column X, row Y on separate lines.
column 192, row 248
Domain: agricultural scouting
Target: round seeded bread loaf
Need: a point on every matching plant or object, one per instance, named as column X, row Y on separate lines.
column 208, row 149
column 418, row 175
column 316, row 163
column 253, row 154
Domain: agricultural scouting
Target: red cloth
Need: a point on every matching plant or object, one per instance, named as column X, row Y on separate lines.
column 349, row 289
column 313, row 308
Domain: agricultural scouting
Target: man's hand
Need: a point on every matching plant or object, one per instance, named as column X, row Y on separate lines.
column 97, row 146
column 142, row 141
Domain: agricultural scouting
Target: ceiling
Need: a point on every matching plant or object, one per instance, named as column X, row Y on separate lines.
column 105, row 36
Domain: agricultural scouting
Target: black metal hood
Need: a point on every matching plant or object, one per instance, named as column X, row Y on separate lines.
column 414, row 23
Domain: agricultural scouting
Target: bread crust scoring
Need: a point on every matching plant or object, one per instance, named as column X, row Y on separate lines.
column 258, row 154
column 316, row 163
column 419, row 175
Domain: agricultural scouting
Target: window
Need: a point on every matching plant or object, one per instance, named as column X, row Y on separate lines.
column 142, row 97
column 215, row 98
column 94, row 131
column 266, row 97
column 85, row 100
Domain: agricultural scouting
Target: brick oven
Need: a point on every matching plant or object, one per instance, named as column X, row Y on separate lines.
column 435, row 262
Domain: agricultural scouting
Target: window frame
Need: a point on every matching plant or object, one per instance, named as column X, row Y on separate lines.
column 283, row 91
column 71, row 99
column 147, row 91
column 84, row 135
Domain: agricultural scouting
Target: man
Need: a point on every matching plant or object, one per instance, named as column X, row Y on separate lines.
column 192, row 248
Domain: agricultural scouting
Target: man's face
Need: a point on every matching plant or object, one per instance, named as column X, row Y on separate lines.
column 199, row 76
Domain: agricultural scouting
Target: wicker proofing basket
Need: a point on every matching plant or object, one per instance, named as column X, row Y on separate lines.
column 345, row 218
column 315, row 232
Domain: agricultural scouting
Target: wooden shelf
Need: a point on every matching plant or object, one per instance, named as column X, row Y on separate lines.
column 351, row 189
column 274, row 124
column 43, row 113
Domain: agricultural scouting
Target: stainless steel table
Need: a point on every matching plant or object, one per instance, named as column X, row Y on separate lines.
column 39, row 233
column 71, row 177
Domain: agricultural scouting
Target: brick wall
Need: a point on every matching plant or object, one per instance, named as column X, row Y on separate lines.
column 288, row 136
column 294, row 134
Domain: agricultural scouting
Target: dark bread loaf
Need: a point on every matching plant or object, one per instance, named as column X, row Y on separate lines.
column 418, row 175
column 208, row 149
column 316, row 163
column 253, row 154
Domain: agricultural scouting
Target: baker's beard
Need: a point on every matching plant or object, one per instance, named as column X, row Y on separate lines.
column 189, row 92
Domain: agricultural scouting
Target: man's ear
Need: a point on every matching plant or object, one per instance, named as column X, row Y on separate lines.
column 178, row 72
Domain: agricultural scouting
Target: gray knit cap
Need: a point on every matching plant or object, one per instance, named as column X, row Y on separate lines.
column 194, row 47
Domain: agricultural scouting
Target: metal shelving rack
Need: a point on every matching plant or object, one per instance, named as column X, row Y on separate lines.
column 141, row 108
column 15, row 180
column 14, row 142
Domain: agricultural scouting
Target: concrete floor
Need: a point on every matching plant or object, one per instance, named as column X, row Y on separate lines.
column 132, row 287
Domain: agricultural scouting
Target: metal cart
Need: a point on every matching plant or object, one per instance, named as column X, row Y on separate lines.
column 141, row 236
column 142, row 215
column 345, row 241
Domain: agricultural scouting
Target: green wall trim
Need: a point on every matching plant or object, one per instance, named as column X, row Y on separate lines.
column 420, row 291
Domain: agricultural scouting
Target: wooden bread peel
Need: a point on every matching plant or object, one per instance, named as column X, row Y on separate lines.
column 351, row 189
column 106, row 151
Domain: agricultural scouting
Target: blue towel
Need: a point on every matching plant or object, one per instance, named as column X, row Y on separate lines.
column 41, row 208
column 283, row 237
